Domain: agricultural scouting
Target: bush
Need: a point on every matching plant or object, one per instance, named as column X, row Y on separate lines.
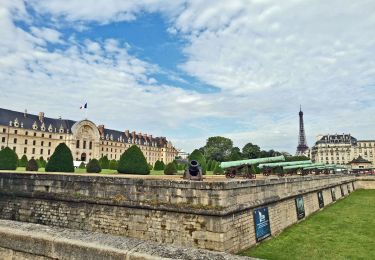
column 159, row 165
column 133, row 161
column 32, row 166
column 61, row 160
column 8, row 159
column 113, row 165
column 82, row 165
column 150, row 167
column 218, row 169
column 170, row 169
column 23, row 161
column 104, row 162
column 198, row 156
column 41, row 162
column 93, row 166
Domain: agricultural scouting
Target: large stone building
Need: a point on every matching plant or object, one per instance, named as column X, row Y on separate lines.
column 341, row 149
column 37, row 136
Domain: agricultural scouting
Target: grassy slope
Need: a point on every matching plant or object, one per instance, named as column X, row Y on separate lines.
column 344, row 230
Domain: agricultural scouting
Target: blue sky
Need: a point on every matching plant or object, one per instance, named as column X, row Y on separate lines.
column 188, row 70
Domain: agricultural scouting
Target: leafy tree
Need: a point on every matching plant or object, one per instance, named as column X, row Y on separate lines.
column 82, row 165
column 61, row 160
column 218, row 169
column 113, row 165
column 213, row 165
column 218, row 148
column 296, row 158
column 159, row 166
column 104, row 162
column 23, row 161
column 209, row 164
column 93, row 166
column 41, row 162
column 32, row 165
column 133, row 161
column 251, row 151
column 235, row 154
column 8, row 159
column 170, row 169
column 198, row 156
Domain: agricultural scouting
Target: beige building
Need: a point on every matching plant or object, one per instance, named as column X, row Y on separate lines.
column 341, row 149
column 37, row 136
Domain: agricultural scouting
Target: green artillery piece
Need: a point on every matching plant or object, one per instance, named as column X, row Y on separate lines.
column 246, row 168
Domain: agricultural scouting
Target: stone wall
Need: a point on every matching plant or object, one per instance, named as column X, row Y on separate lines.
column 215, row 215
column 366, row 182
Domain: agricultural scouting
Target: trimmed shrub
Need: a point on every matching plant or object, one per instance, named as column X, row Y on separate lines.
column 113, row 165
column 104, row 162
column 159, row 165
column 93, row 166
column 41, row 162
column 82, row 165
column 61, row 160
column 170, row 169
column 8, row 159
column 32, row 166
column 23, row 161
column 218, row 169
column 133, row 161
column 198, row 156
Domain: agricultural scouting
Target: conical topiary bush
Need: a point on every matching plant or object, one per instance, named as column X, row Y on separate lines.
column 8, row 159
column 61, row 160
column 133, row 161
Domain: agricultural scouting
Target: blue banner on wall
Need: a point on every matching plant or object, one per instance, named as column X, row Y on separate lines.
column 262, row 223
column 300, row 207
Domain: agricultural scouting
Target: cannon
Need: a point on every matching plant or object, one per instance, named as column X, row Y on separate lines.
column 193, row 170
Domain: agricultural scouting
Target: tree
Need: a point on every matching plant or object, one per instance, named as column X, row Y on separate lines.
column 8, row 159
column 82, row 165
column 198, row 156
column 32, row 165
column 61, row 160
column 251, row 151
column 218, row 169
column 23, row 161
column 296, row 158
column 41, row 162
column 209, row 165
column 93, row 166
column 170, row 169
column 213, row 165
column 159, row 166
column 235, row 154
column 104, row 162
column 133, row 161
column 218, row 148
column 113, row 165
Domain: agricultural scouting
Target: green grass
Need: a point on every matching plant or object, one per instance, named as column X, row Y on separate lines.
column 344, row 230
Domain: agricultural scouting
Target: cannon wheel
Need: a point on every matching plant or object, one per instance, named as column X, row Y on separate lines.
column 230, row 174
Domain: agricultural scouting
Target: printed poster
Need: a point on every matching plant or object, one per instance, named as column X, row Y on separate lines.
column 320, row 199
column 300, row 207
column 262, row 224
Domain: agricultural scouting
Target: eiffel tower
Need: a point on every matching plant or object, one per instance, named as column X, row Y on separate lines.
column 302, row 147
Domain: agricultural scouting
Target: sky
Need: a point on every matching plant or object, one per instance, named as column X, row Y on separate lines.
column 188, row 70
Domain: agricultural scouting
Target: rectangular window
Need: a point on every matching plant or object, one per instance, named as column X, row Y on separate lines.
column 26, row 133
column 15, row 131
column 90, row 145
column 42, row 135
column 4, row 130
column 61, row 137
column 49, row 144
column 34, row 134
column 15, row 140
column 14, row 148
column 84, row 144
column 77, row 144
column 25, row 141
column 25, row 150
column 49, row 151
column 33, row 150
column 3, row 139
column 34, row 142
column 50, row 136
column 41, row 151
column 42, row 143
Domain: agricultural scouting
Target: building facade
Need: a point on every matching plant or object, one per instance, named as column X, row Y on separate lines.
column 37, row 136
column 341, row 149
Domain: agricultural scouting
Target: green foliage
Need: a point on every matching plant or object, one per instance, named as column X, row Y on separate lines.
column 208, row 164
column 113, row 165
column 170, row 169
column 41, row 162
column 133, row 161
column 61, row 160
column 150, row 166
column 82, row 166
column 235, row 154
column 198, row 156
column 104, row 162
column 251, row 151
column 159, row 166
column 32, row 165
column 218, row 169
column 23, row 161
column 254, row 169
column 218, row 148
column 93, row 166
column 8, row 159
column 296, row 158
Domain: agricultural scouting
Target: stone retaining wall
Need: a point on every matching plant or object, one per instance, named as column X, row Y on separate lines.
column 216, row 215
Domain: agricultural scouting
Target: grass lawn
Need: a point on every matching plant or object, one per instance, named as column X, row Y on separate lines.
column 344, row 230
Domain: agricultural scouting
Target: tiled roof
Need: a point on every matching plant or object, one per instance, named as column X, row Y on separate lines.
column 337, row 138
column 360, row 159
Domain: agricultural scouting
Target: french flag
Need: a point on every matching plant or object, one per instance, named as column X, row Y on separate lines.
column 84, row 106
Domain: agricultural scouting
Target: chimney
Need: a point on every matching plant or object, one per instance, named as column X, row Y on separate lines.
column 25, row 113
column 41, row 116
column 101, row 130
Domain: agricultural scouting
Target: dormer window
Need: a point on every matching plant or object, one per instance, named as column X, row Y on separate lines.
column 107, row 137
column 43, row 127
column 10, row 123
column 35, row 126
column 50, row 128
column 21, row 124
column 111, row 137
column 16, row 122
